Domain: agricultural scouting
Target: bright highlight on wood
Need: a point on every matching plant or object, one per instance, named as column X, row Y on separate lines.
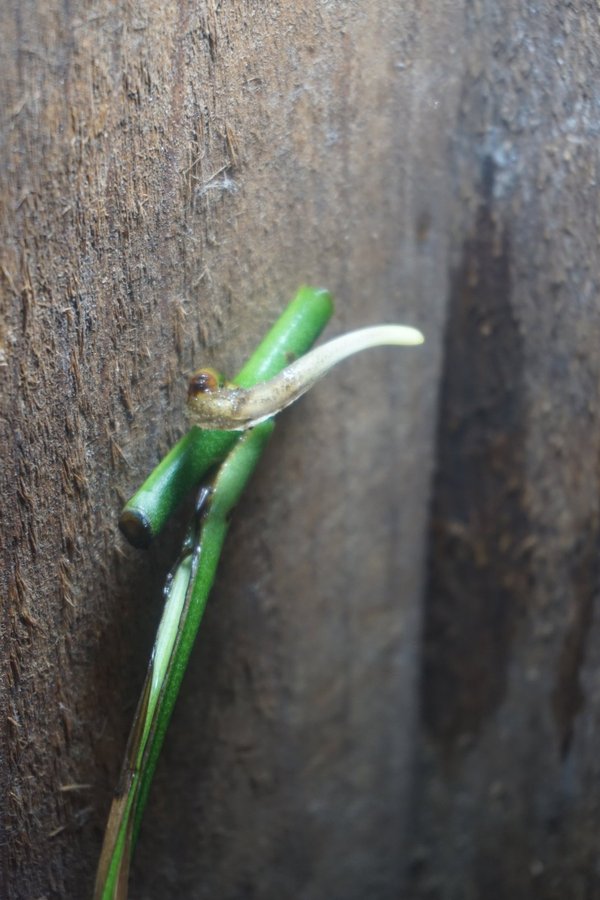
column 212, row 405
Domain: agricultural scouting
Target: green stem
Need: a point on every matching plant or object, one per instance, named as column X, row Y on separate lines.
column 145, row 514
column 193, row 577
column 185, row 604
column 228, row 487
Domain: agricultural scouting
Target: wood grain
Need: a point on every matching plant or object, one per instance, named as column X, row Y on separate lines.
column 170, row 174
column 506, row 801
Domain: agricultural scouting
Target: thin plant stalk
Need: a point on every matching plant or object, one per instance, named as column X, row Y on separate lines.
column 186, row 597
column 189, row 584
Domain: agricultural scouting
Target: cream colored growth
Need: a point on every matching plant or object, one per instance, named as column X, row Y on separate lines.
column 235, row 409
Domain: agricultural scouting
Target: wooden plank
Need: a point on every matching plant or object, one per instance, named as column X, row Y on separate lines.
column 506, row 805
column 170, row 174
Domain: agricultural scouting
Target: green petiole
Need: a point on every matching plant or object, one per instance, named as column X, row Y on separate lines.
column 228, row 486
column 188, row 588
column 145, row 514
column 192, row 578
column 184, row 607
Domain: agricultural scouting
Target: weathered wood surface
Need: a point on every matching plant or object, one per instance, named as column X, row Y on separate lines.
column 170, row 174
column 507, row 788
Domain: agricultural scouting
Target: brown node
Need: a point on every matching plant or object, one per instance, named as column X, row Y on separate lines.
column 204, row 381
